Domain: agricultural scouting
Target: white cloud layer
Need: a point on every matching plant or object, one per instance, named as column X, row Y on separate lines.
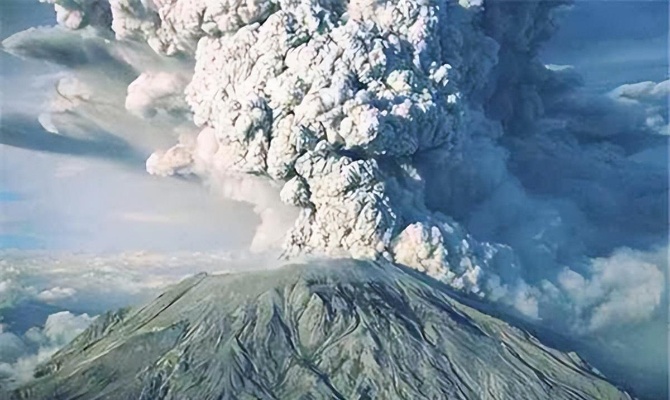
column 20, row 354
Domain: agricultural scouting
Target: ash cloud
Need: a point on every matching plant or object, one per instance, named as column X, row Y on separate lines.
column 426, row 134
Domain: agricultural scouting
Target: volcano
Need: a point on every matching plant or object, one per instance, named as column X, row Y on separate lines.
column 337, row 329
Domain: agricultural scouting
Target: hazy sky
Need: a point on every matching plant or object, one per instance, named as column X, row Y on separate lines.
column 64, row 202
column 613, row 42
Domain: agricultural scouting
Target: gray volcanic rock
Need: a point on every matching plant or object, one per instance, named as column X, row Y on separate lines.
column 340, row 329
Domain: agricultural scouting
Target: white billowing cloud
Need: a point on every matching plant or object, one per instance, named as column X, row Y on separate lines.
column 154, row 91
column 642, row 91
column 19, row 355
column 621, row 290
column 11, row 346
column 652, row 98
column 174, row 27
column 60, row 328
column 55, row 294
column 78, row 14
column 12, row 288
column 174, row 161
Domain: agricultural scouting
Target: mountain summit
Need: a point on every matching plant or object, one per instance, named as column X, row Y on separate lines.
column 340, row 329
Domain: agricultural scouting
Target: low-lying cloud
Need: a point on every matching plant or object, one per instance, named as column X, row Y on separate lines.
column 48, row 298
column 20, row 354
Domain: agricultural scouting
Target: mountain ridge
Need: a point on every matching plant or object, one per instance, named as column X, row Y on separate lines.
column 338, row 329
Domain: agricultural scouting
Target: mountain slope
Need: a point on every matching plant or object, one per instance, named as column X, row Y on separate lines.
column 332, row 330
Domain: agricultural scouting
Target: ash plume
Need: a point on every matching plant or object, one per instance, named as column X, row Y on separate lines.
column 426, row 133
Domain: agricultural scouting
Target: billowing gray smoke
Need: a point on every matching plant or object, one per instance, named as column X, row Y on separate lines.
column 426, row 133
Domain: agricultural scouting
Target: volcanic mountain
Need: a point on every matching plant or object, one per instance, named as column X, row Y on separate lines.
column 338, row 329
